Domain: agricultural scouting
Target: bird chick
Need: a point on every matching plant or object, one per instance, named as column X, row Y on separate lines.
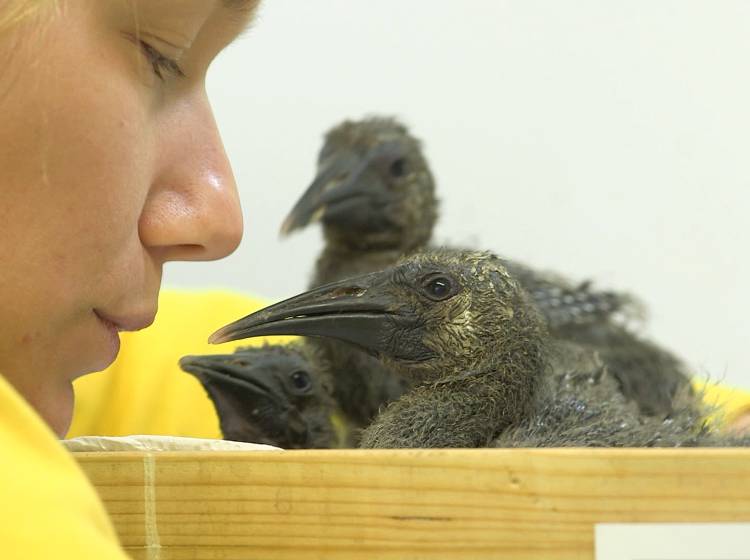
column 484, row 370
column 457, row 325
column 273, row 394
column 375, row 196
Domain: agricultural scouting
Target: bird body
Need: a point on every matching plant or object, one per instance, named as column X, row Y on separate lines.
column 645, row 373
column 579, row 405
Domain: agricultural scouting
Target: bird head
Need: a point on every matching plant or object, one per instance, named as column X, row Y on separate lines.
column 373, row 188
column 267, row 394
column 432, row 315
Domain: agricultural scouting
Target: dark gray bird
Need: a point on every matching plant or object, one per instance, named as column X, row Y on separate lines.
column 645, row 373
column 579, row 405
column 375, row 196
column 484, row 370
column 408, row 316
column 273, row 394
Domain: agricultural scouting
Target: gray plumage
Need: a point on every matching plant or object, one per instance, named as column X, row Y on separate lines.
column 578, row 405
column 484, row 369
column 406, row 316
column 647, row 374
column 375, row 197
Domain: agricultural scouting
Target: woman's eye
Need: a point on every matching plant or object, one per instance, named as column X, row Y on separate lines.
column 161, row 64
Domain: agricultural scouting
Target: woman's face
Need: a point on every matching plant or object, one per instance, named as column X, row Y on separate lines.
column 110, row 165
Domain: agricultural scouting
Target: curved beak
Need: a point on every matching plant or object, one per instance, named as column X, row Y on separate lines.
column 362, row 311
column 342, row 191
column 222, row 369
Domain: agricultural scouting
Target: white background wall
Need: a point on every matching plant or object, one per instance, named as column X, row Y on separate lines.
column 602, row 139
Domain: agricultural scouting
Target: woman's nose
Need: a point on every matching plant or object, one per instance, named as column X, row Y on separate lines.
column 193, row 210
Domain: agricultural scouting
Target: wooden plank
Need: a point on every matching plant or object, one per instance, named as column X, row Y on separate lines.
column 410, row 504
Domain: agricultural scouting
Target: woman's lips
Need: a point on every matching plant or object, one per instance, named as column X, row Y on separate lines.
column 113, row 325
column 105, row 342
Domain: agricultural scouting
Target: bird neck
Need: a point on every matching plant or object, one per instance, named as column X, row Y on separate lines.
column 508, row 371
column 348, row 242
column 337, row 262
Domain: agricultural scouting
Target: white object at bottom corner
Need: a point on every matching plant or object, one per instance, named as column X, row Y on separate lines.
column 672, row 541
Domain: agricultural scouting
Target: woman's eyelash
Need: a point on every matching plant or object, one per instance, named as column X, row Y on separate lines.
column 160, row 63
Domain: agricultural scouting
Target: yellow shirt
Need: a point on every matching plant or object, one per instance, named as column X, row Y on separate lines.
column 730, row 402
column 48, row 509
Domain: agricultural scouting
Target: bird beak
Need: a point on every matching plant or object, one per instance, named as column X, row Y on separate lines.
column 219, row 368
column 344, row 190
column 361, row 311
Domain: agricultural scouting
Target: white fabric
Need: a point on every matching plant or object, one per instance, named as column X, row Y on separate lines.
column 149, row 443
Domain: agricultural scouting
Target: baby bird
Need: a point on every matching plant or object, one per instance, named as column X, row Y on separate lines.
column 273, row 394
column 484, row 370
column 375, row 196
column 458, row 326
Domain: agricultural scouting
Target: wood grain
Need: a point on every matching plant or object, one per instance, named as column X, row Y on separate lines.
column 410, row 504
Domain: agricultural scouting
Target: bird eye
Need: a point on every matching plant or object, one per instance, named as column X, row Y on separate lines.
column 439, row 287
column 301, row 380
column 398, row 167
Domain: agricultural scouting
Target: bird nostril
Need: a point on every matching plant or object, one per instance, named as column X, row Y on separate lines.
column 336, row 181
column 354, row 291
